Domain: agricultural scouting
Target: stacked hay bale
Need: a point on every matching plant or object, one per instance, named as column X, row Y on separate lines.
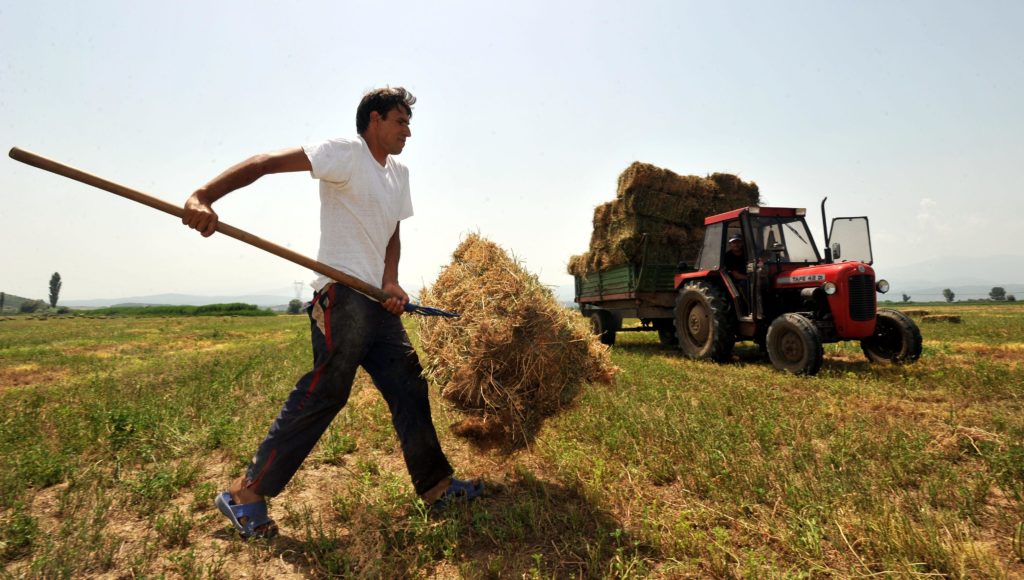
column 659, row 213
column 515, row 356
column 951, row 318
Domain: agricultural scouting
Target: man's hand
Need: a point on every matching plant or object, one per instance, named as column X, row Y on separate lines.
column 398, row 298
column 200, row 216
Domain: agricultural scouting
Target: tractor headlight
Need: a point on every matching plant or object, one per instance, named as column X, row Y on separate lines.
column 829, row 288
column 882, row 286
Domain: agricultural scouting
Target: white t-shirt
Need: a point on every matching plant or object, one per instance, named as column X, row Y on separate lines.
column 361, row 204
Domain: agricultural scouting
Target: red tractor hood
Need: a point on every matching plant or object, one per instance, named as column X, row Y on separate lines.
column 818, row 274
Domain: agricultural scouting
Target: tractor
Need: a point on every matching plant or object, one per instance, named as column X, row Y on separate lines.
column 786, row 297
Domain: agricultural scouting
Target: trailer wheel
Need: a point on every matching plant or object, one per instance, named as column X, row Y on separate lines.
column 794, row 345
column 603, row 323
column 704, row 323
column 666, row 332
column 896, row 340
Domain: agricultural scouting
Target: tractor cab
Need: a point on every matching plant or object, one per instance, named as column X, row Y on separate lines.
column 770, row 234
column 752, row 252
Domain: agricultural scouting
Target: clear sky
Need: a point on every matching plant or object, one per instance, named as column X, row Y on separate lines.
column 908, row 112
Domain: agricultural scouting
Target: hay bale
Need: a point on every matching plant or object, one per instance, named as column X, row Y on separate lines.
column 659, row 214
column 515, row 356
column 951, row 318
column 915, row 312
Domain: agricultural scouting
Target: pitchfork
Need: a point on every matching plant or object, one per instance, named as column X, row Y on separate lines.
column 231, row 231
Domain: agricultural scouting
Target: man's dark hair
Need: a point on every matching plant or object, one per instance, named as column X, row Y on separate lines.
column 382, row 101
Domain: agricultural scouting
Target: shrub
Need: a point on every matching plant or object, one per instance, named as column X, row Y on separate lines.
column 30, row 306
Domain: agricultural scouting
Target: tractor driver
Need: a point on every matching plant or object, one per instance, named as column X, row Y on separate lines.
column 735, row 258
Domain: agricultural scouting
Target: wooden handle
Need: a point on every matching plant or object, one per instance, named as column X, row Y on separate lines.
column 241, row 235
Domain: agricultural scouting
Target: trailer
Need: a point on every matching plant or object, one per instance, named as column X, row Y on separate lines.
column 644, row 291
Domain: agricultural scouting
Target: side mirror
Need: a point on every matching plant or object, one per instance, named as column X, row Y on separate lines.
column 835, row 251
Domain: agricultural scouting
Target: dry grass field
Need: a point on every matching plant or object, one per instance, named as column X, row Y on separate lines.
column 115, row 434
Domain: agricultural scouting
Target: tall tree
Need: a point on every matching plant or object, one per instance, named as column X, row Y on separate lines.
column 997, row 293
column 2, row 296
column 54, row 289
column 948, row 294
column 906, row 298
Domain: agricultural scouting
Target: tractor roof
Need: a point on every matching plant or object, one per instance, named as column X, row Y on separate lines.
column 756, row 210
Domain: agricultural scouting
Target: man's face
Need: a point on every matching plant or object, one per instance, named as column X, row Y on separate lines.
column 392, row 129
column 736, row 246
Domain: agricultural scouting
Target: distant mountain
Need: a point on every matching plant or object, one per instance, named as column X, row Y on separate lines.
column 261, row 300
column 13, row 303
column 967, row 276
column 934, row 293
column 566, row 294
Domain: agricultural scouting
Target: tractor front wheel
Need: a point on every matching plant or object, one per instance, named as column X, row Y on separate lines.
column 896, row 339
column 794, row 345
column 704, row 323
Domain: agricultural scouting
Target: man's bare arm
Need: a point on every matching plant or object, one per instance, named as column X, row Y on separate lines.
column 389, row 283
column 199, row 214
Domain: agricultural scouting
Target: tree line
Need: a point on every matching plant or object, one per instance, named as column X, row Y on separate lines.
column 997, row 293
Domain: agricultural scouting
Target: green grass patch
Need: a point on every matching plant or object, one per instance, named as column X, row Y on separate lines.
column 117, row 432
column 231, row 309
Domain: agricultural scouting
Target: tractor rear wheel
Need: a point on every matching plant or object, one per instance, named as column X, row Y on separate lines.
column 794, row 345
column 896, row 340
column 604, row 325
column 704, row 322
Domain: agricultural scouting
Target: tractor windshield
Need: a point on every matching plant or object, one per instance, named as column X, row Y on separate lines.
column 786, row 239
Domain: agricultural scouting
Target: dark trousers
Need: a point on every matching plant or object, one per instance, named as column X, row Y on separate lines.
column 350, row 330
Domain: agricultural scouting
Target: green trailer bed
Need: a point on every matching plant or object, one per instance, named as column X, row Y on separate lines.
column 631, row 290
column 625, row 282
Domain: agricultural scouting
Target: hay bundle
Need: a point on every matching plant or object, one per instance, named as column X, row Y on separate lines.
column 516, row 355
column 951, row 318
column 659, row 214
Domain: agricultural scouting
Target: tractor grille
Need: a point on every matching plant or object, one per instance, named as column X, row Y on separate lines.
column 862, row 297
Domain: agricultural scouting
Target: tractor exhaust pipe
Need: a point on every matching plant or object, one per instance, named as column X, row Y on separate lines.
column 824, row 228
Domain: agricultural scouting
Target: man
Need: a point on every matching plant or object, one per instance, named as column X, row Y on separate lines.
column 735, row 264
column 364, row 194
column 735, row 258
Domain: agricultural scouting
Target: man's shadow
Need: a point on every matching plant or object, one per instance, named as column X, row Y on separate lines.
column 522, row 527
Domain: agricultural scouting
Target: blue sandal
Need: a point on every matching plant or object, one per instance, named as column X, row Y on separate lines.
column 250, row 519
column 458, row 490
